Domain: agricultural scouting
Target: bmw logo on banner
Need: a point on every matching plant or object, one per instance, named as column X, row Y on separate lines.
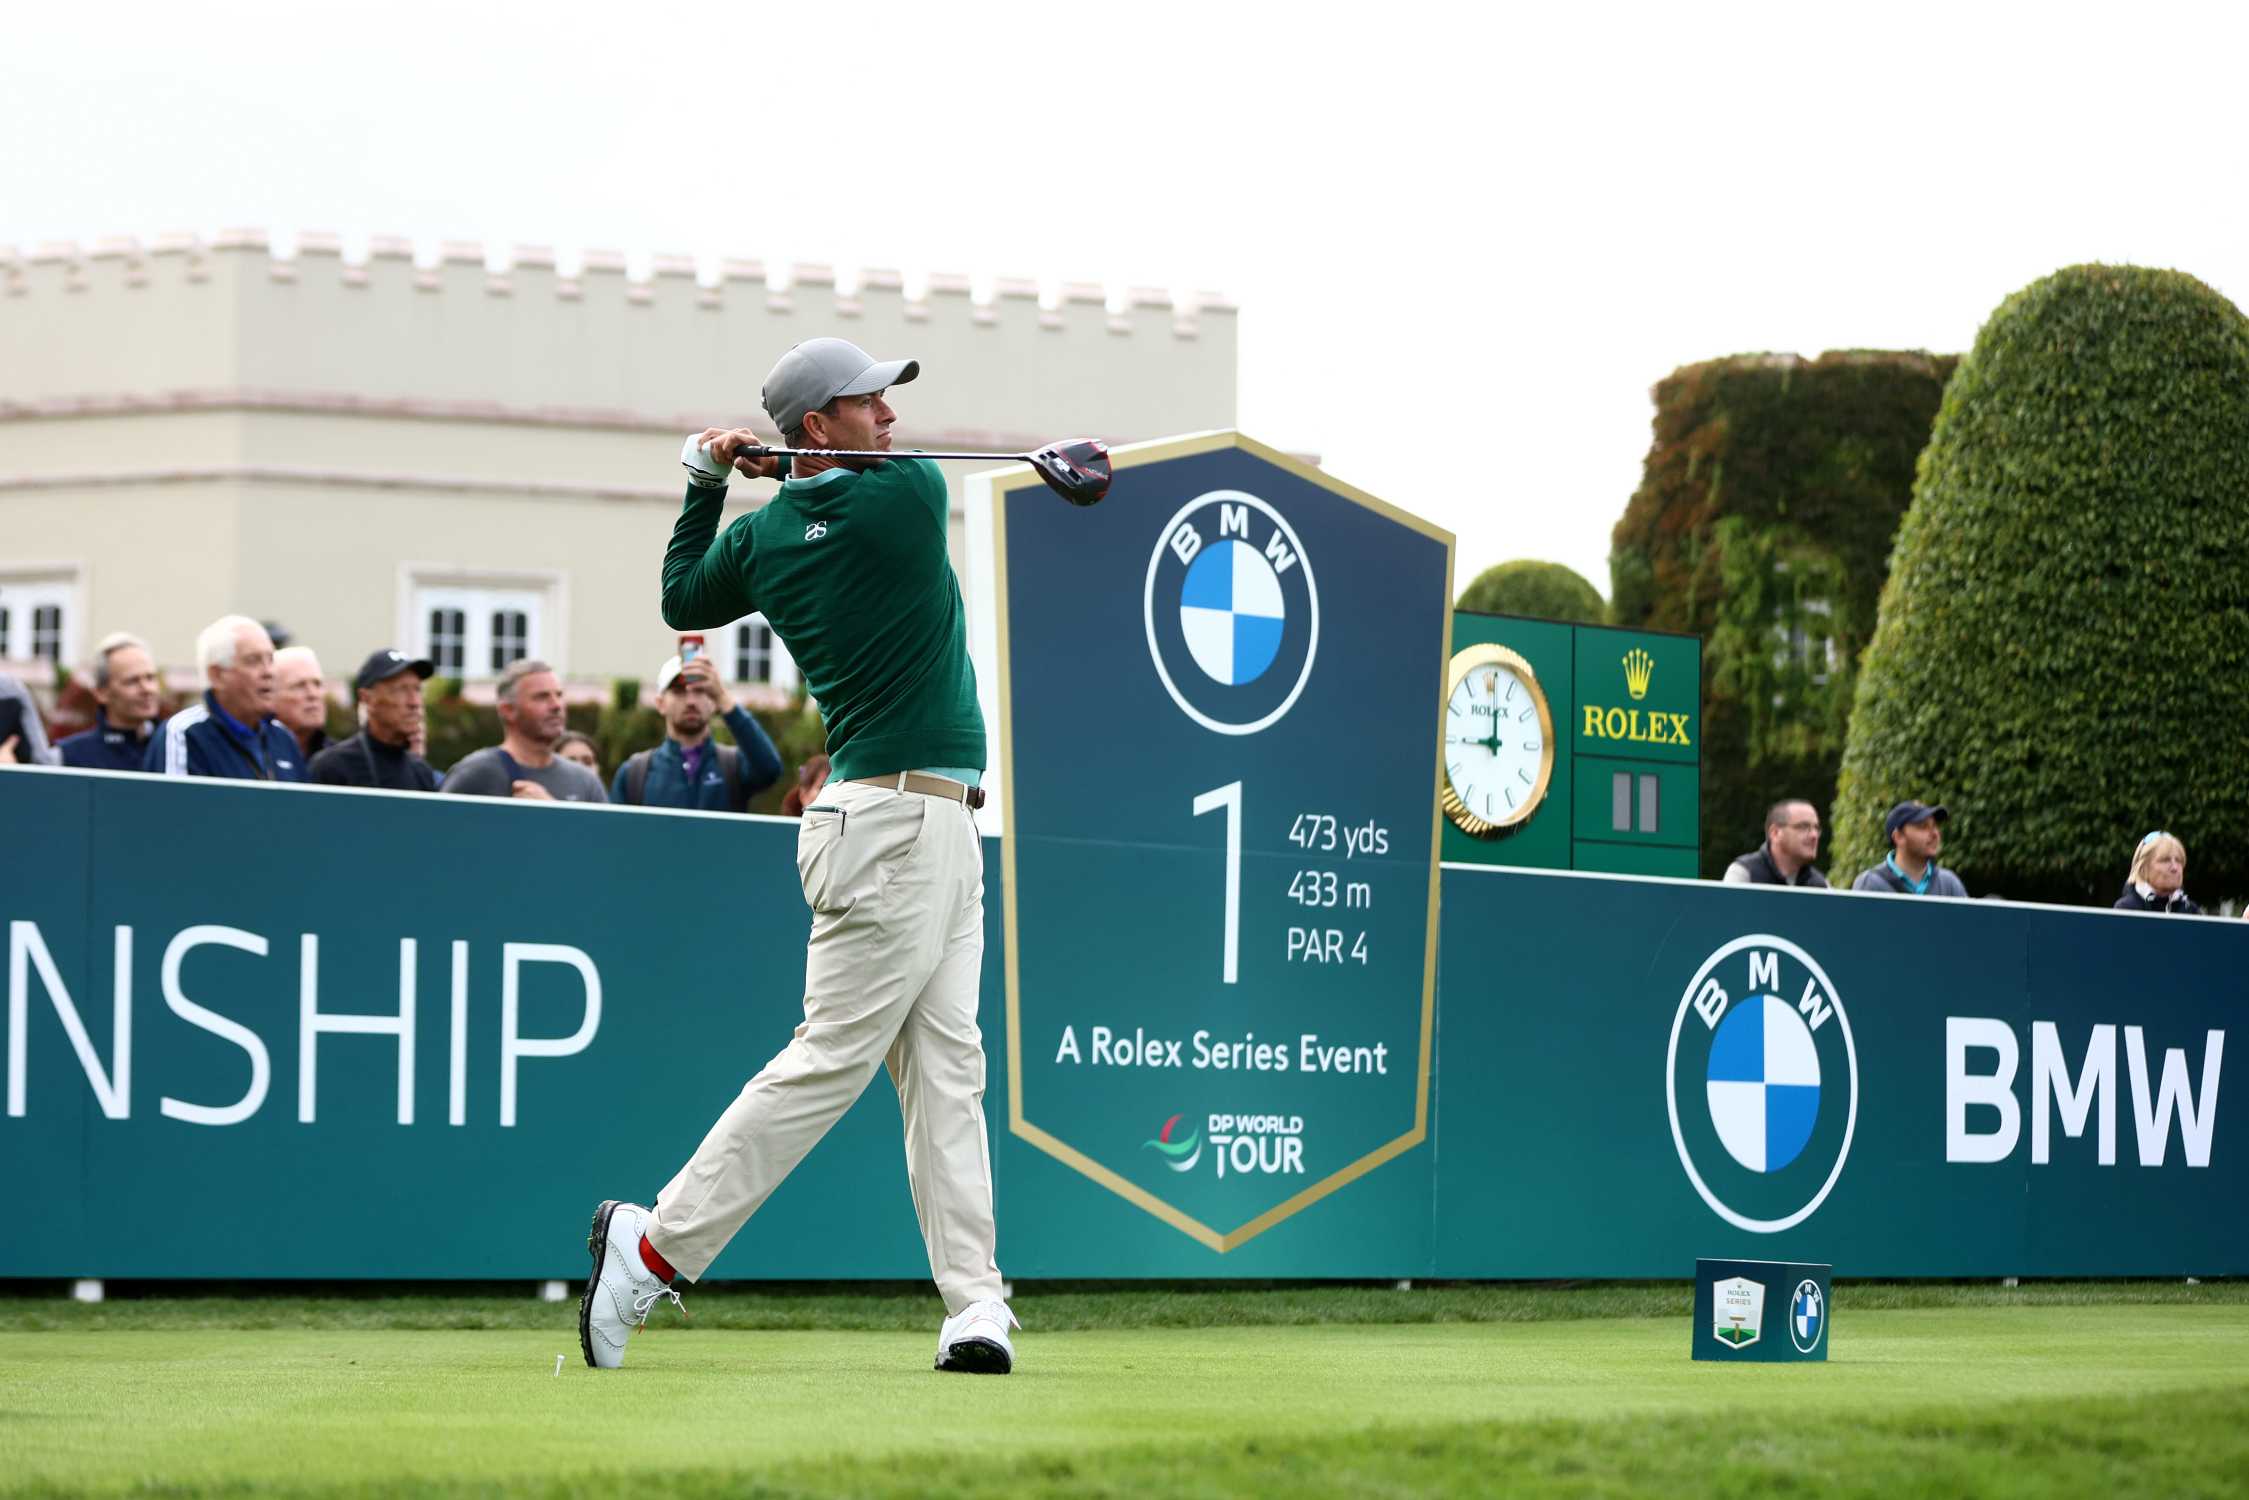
column 1763, row 1083
column 1232, row 612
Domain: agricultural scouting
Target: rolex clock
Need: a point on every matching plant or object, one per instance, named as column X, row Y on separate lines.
column 1499, row 741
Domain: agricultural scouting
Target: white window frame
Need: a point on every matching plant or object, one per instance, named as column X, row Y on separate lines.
column 27, row 588
column 542, row 598
column 781, row 668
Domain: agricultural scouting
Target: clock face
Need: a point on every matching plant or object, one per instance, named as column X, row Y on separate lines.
column 1499, row 741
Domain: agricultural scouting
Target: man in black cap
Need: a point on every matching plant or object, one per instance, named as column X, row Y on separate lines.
column 1916, row 835
column 390, row 715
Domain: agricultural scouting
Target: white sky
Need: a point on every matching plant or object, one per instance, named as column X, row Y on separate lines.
column 1466, row 241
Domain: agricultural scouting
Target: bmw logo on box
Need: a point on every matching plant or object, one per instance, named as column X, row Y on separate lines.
column 1761, row 1311
column 1232, row 612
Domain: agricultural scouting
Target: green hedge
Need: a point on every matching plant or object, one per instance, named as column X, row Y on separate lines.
column 1763, row 524
column 1542, row 590
column 2059, row 650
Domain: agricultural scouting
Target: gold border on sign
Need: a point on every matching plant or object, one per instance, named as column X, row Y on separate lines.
column 1491, row 654
column 1005, row 484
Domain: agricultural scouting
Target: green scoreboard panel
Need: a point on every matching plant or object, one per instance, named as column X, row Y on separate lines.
column 1572, row 747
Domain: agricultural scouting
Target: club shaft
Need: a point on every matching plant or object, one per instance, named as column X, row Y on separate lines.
column 763, row 452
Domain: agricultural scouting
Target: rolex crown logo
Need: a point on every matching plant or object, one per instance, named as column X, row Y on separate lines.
column 1638, row 668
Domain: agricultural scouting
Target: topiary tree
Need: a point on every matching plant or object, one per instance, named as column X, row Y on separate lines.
column 1542, row 590
column 2058, row 653
column 1763, row 524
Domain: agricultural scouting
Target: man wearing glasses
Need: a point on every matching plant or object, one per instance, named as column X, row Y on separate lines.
column 1792, row 842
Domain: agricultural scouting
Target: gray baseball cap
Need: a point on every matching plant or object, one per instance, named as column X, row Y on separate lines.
column 817, row 371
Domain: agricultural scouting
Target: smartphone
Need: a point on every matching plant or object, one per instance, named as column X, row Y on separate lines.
column 690, row 647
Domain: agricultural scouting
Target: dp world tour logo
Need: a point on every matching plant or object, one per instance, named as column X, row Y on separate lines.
column 1232, row 613
column 1179, row 1155
column 1763, row 1083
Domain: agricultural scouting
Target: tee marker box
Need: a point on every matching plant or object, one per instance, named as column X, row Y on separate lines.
column 1761, row 1311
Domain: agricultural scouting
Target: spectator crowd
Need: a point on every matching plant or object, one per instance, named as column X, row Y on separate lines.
column 1916, row 833
column 263, row 715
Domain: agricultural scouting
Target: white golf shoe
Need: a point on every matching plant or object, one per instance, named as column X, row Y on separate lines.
column 974, row 1340
column 622, row 1289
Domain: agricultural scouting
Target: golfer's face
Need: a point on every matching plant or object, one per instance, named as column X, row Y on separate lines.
column 861, row 422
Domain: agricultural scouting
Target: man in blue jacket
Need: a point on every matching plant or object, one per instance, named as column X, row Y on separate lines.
column 232, row 732
column 687, row 770
column 128, row 689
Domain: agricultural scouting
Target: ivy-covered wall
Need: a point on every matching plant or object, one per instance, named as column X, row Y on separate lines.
column 1763, row 524
column 2059, row 654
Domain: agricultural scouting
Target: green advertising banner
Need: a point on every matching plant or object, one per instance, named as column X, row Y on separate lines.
column 259, row 1030
column 270, row 1031
column 1652, row 1071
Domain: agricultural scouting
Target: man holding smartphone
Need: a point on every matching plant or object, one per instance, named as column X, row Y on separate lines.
column 688, row 770
column 848, row 563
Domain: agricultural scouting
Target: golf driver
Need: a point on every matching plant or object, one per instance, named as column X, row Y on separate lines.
column 1077, row 469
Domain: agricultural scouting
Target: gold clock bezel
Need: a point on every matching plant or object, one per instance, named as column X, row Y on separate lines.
column 1465, row 661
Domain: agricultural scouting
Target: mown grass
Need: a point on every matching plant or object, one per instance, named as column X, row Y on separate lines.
column 2067, row 1398
column 1047, row 1307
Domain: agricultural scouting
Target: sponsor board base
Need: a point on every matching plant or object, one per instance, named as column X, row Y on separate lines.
column 1761, row 1311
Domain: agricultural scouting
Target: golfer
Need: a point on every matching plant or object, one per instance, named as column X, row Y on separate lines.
column 848, row 564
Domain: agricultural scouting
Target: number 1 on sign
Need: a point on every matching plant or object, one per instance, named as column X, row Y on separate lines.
column 1229, row 797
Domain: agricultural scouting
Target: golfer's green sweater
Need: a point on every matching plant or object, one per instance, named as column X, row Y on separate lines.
column 850, row 570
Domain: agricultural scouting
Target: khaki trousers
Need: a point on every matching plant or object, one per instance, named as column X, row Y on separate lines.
column 896, row 885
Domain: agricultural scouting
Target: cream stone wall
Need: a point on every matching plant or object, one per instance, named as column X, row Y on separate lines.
column 190, row 428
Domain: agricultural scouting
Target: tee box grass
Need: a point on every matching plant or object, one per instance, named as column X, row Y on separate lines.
column 1314, row 1391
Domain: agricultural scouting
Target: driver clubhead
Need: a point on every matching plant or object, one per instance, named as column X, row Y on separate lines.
column 1077, row 469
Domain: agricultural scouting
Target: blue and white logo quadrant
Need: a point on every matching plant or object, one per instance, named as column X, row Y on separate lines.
column 1763, row 1083
column 1232, row 611
column 1807, row 1316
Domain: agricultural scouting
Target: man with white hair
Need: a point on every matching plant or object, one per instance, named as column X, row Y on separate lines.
column 300, row 698
column 232, row 732
column 128, row 690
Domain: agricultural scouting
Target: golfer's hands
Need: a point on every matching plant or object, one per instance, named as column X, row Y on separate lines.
column 702, row 673
column 8, row 756
column 712, row 456
column 530, row 791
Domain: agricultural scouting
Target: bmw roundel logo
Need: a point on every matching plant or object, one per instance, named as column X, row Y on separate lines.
column 1807, row 1316
column 1763, row 1083
column 1233, row 615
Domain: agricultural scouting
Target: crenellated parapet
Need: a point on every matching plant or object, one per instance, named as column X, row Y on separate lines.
column 522, row 328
